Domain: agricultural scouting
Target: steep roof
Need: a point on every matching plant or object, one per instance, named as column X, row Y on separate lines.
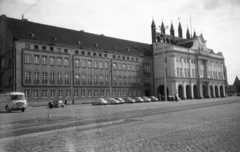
column 237, row 81
column 51, row 34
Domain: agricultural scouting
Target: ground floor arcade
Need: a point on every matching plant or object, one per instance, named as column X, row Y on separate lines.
column 192, row 89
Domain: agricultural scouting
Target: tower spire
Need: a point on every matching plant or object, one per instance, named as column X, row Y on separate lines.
column 162, row 28
column 180, row 29
column 188, row 34
column 172, row 30
column 153, row 28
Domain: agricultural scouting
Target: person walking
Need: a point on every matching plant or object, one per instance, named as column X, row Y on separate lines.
column 66, row 101
column 73, row 101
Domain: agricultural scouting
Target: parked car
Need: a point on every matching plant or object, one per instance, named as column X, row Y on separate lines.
column 57, row 103
column 112, row 101
column 138, row 99
column 153, row 99
column 99, row 101
column 120, row 100
column 146, row 99
column 170, row 98
column 129, row 100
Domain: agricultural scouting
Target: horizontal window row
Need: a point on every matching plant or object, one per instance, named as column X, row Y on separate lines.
column 88, row 63
column 45, row 60
column 63, row 50
column 52, row 93
column 124, row 80
column 125, row 66
column 92, row 79
column 45, row 78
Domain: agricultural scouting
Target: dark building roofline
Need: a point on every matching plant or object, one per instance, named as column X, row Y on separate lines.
column 47, row 33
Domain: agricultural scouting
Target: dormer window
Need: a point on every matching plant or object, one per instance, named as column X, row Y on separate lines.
column 79, row 42
column 96, row 44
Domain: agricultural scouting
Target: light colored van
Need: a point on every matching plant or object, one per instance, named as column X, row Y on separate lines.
column 13, row 101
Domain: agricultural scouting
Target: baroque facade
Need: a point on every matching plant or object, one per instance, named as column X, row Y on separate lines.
column 47, row 62
column 192, row 70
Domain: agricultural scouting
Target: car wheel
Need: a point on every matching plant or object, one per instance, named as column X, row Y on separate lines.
column 23, row 110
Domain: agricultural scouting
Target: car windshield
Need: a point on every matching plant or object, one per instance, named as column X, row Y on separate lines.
column 17, row 97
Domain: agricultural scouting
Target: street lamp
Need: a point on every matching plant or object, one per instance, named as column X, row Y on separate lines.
column 164, row 67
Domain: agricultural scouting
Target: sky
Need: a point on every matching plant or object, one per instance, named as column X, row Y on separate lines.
column 217, row 20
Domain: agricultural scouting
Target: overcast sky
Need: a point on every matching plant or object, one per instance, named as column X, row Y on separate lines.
column 217, row 20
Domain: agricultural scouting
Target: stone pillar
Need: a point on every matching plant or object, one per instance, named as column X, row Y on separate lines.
column 223, row 90
column 214, row 94
column 184, row 91
column 192, row 91
column 208, row 90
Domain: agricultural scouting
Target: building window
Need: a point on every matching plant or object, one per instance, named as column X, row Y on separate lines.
column 124, row 92
column 95, row 93
column 52, row 49
column 129, row 80
column 68, row 93
column 36, row 47
column 52, row 93
column 129, row 67
column 84, row 79
column 59, row 78
column 60, row 93
column 107, row 93
column 66, row 78
column 95, row 64
column 89, row 79
column 77, row 62
column 44, row 59
column 44, row 93
column 124, row 66
column 106, row 79
column 36, row 77
column 114, row 66
column 83, row 63
column 36, row 59
column 89, row 63
column 27, row 93
column 51, row 60
column 89, row 93
column 35, row 93
column 83, row 93
column 75, row 93
column 106, row 65
column 52, row 77
column 27, row 46
column 119, row 92
column 119, row 66
column 113, row 93
column 77, row 78
column 58, row 50
column 66, row 61
column 27, row 76
column 146, row 68
column 115, row 80
column 44, row 48
column 27, row 58
column 76, row 52
column 89, row 53
column 83, row 53
column 65, row 50
column 119, row 80
column 101, row 79
column 44, row 77
column 101, row 93
column 100, row 63
column 59, row 60
column 95, row 79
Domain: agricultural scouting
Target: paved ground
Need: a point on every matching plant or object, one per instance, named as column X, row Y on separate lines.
column 214, row 128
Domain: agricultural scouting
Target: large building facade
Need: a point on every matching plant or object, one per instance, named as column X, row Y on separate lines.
column 47, row 62
column 192, row 70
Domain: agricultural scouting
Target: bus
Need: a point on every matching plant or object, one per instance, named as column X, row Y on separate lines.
column 13, row 101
